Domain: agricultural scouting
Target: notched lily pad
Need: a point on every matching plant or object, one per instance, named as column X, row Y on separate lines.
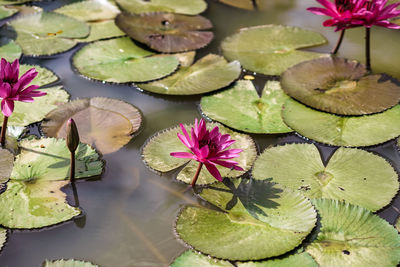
column 10, row 51
column 342, row 131
column 352, row 175
column 102, row 30
column 28, row 113
column 90, row 10
column 156, row 154
column 271, row 49
column 121, row 61
column 48, row 33
column 340, row 86
column 191, row 258
column 167, row 32
column 353, row 236
column 210, row 73
column 6, row 166
column 192, row 7
column 299, row 260
column 68, row 263
column 240, row 107
column 105, row 123
column 259, row 220
column 3, row 237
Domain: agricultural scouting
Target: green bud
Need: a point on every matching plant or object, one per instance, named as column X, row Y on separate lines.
column 72, row 135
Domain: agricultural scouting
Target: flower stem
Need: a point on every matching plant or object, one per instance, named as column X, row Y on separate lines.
column 339, row 42
column 3, row 132
column 368, row 48
column 196, row 176
column 72, row 168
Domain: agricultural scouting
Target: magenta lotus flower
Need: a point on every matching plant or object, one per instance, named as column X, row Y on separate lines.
column 209, row 148
column 375, row 12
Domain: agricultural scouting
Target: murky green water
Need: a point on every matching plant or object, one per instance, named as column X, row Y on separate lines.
column 130, row 212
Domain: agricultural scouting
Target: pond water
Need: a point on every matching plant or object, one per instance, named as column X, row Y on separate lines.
column 129, row 213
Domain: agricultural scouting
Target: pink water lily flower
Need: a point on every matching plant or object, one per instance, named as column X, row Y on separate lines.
column 13, row 88
column 375, row 12
column 209, row 148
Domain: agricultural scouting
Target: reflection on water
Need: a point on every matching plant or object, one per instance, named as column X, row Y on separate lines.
column 129, row 213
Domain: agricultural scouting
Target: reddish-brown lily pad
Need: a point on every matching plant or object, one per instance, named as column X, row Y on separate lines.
column 167, row 32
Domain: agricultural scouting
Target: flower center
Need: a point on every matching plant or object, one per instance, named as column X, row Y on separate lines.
column 207, row 142
column 344, row 5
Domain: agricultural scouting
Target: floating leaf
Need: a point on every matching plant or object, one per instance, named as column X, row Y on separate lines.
column 121, row 61
column 28, row 113
column 353, row 236
column 15, row 2
column 191, row 258
column 192, row 7
column 271, row 49
column 10, row 51
column 260, row 220
column 47, row 33
column 299, row 260
column 3, row 237
column 6, row 166
column 44, row 77
column 68, row 263
column 397, row 224
column 102, row 30
column 105, row 123
column 24, row 10
column 340, row 86
column 210, row 73
column 241, row 108
column 342, row 131
column 243, row 4
column 90, row 10
column 156, row 154
column 167, row 32
column 6, row 12
column 353, row 175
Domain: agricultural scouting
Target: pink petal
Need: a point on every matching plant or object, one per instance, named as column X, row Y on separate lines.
column 204, row 151
column 321, row 11
column 185, row 155
column 15, row 70
column 213, row 171
column 184, row 140
column 7, row 107
column 228, row 164
column 26, row 79
column 186, row 135
column 5, row 90
column 28, row 90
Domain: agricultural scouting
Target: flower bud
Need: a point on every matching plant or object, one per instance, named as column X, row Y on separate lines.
column 72, row 135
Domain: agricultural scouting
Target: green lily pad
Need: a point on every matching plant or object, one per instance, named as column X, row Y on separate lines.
column 121, row 61
column 6, row 12
column 10, row 51
column 210, row 73
column 191, row 258
column 342, row 131
column 397, row 224
column 192, row 7
column 353, row 175
column 271, row 49
column 15, row 2
column 156, row 154
column 167, row 32
column 242, row 4
column 240, row 107
column 68, row 263
column 3, row 237
column 90, row 10
column 340, row 86
column 353, row 236
column 102, row 30
column 28, row 113
column 299, row 260
column 105, row 123
column 6, row 166
column 259, row 220
column 48, row 33
column 44, row 77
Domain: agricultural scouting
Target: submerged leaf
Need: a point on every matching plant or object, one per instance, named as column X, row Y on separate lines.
column 68, row 263
column 167, row 32
column 342, row 131
column 121, row 61
column 102, row 30
column 299, row 260
column 10, row 51
column 90, row 10
column 260, row 220
column 353, row 175
column 271, row 49
column 3, row 237
column 210, row 73
column 48, row 33
column 105, row 123
column 192, row 7
column 6, row 166
column 156, row 154
column 241, row 108
column 6, row 12
column 191, row 258
column 353, row 236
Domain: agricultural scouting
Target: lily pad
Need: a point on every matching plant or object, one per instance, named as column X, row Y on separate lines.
column 191, row 258
column 299, row 260
column 156, row 154
column 240, row 107
column 242, row 4
column 3, row 237
column 28, row 113
column 44, row 77
column 105, row 123
column 210, row 73
column 271, row 49
column 68, row 263
column 352, row 175
column 6, row 12
column 24, row 10
column 10, row 51
column 259, row 220
column 121, row 61
column 167, row 32
column 15, row 2
column 90, row 10
column 48, row 33
column 397, row 224
column 102, row 30
column 342, row 131
column 192, row 7
column 6, row 166
column 340, row 86
column 353, row 236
